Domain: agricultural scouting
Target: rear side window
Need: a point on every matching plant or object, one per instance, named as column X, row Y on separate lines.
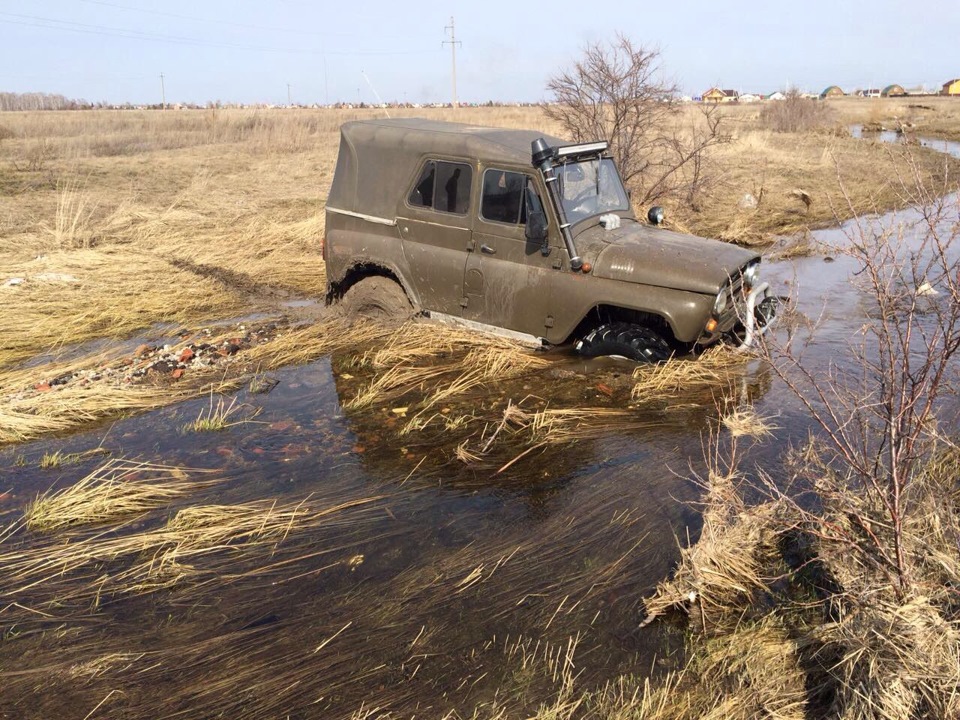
column 443, row 186
column 508, row 197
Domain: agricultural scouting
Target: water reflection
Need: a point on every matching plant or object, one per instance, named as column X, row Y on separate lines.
column 436, row 587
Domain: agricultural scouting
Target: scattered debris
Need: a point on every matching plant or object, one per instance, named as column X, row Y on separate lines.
column 927, row 290
column 158, row 363
column 803, row 196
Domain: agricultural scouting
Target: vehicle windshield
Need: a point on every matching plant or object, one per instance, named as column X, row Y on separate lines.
column 590, row 187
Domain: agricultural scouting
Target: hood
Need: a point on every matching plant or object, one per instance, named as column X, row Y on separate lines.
column 663, row 258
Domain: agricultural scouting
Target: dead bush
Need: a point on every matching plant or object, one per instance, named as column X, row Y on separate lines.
column 795, row 113
column 616, row 93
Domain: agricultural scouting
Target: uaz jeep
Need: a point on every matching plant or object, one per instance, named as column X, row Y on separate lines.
column 525, row 233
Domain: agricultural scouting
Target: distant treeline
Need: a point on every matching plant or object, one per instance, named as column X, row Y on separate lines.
column 51, row 101
column 40, row 101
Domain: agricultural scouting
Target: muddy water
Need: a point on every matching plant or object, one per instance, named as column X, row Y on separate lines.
column 449, row 587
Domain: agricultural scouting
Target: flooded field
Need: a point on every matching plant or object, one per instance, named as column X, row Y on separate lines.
column 348, row 544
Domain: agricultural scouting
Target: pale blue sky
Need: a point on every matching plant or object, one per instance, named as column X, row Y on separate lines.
column 248, row 50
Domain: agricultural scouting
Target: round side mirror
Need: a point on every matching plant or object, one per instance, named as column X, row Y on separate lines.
column 655, row 215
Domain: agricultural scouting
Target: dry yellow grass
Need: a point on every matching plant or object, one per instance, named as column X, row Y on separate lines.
column 64, row 575
column 717, row 368
column 419, row 355
column 867, row 651
column 26, row 414
column 62, row 409
column 772, row 167
column 931, row 116
column 718, row 577
column 745, row 422
column 69, row 297
column 530, row 430
column 119, row 488
column 127, row 219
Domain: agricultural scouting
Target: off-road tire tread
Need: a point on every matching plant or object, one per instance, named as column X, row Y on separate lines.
column 634, row 342
column 377, row 298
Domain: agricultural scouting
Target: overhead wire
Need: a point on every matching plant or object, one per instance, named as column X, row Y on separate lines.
column 87, row 28
column 218, row 21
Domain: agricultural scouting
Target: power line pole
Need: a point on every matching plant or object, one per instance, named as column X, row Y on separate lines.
column 453, row 42
column 326, row 82
column 163, row 93
column 289, row 96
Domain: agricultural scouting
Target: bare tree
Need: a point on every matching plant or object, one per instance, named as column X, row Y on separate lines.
column 615, row 92
column 879, row 415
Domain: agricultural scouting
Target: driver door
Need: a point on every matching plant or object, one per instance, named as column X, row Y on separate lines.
column 508, row 281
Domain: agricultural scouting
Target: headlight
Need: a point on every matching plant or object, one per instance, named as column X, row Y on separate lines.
column 720, row 304
column 750, row 274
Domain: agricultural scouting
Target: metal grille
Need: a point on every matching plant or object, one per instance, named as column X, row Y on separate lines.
column 736, row 303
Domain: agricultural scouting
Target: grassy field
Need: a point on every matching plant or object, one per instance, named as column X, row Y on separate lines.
column 930, row 116
column 118, row 220
column 116, row 223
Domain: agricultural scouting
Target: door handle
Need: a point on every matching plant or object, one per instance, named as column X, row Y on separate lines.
column 488, row 250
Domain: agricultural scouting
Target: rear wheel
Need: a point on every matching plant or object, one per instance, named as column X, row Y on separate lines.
column 377, row 298
column 620, row 339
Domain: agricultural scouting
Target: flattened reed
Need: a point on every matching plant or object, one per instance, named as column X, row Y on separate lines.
column 541, row 428
column 67, row 298
column 393, row 383
column 419, row 354
column 719, row 575
column 310, row 342
column 117, row 489
column 716, row 368
column 26, row 414
column 419, row 341
column 209, row 543
column 745, row 422
column 65, row 408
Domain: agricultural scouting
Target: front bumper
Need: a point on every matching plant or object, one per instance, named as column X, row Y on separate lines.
column 759, row 314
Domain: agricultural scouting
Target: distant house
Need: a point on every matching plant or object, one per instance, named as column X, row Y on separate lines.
column 832, row 91
column 749, row 98
column 893, row 91
column 776, row 96
column 716, row 95
column 951, row 87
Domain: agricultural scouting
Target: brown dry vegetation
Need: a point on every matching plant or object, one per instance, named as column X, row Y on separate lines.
column 779, row 168
column 117, row 220
column 928, row 116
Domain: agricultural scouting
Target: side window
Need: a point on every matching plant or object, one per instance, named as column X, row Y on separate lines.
column 502, row 196
column 443, row 186
column 508, row 197
column 422, row 195
column 531, row 202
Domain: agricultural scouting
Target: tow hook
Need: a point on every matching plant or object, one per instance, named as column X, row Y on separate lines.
column 760, row 314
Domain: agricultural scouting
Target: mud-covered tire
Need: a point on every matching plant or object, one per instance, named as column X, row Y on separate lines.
column 377, row 298
column 633, row 342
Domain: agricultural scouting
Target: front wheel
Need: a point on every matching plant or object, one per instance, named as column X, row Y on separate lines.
column 620, row 339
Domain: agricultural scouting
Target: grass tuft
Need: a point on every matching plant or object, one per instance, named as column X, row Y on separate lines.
column 221, row 416
column 717, row 368
column 117, row 489
column 745, row 422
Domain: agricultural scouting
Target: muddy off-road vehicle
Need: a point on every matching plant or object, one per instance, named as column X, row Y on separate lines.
column 525, row 233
